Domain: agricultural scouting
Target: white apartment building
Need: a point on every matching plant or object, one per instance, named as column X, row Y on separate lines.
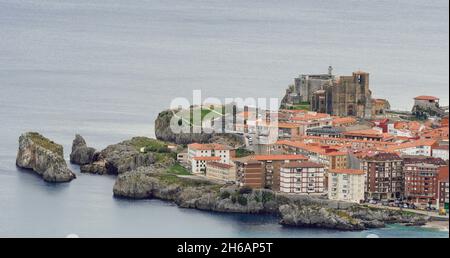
column 346, row 185
column 302, row 178
column 200, row 154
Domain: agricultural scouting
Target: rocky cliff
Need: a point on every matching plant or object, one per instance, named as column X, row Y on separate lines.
column 121, row 157
column 294, row 210
column 81, row 154
column 164, row 133
column 44, row 157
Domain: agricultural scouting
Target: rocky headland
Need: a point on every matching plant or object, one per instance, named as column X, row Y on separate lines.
column 293, row 210
column 146, row 168
column 44, row 157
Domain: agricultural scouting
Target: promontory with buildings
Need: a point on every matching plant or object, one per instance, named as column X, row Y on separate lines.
column 337, row 158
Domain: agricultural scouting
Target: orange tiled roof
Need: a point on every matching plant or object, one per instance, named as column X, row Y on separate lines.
column 423, row 97
column 278, row 157
column 412, row 144
column 343, row 120
column 348, row 171
column 441, row 132
column 366, row 132
column 208, row 146
column 346, row 141
column 310, row 116
column 315, row 148
column 413, row 125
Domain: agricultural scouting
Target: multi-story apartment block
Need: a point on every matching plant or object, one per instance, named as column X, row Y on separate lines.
column 346, row 185
column 385, row 178
column 249, row 173
column 272, row 164
column 421, row 180
column 302, row 178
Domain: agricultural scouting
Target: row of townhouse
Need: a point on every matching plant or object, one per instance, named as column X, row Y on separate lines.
column 305, row 177
column 377, row 175
column 387, row 175
column 419, row 180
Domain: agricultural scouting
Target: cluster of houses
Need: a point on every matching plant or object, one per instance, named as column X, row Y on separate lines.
column 343, row 158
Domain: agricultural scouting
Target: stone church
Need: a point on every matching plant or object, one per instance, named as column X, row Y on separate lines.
column 336, row 95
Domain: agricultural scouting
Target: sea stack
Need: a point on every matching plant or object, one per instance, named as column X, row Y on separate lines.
column 44, row 157
column 81, row 154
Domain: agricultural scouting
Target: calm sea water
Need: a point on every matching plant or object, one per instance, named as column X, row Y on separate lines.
column 106, row 68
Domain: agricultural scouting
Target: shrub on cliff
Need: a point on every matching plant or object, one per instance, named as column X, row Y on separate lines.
column 242, row 200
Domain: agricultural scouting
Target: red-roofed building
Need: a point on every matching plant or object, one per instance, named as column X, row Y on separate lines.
column 278, row 157
column 200, row 154
column 436, row 134
column 426, row 98
column 296, row 124
column 421, row 180
column 382, row 124
column 426, row 101
column 414, row 147
column 352, row 144
column 366, row 135
column 343, row 121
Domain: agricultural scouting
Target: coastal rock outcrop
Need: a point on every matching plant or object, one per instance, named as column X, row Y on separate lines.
column 294, row 210
column 164, row 132
column 318, row 216
column 44, row 157
column 81, row 154
column 127, row 155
